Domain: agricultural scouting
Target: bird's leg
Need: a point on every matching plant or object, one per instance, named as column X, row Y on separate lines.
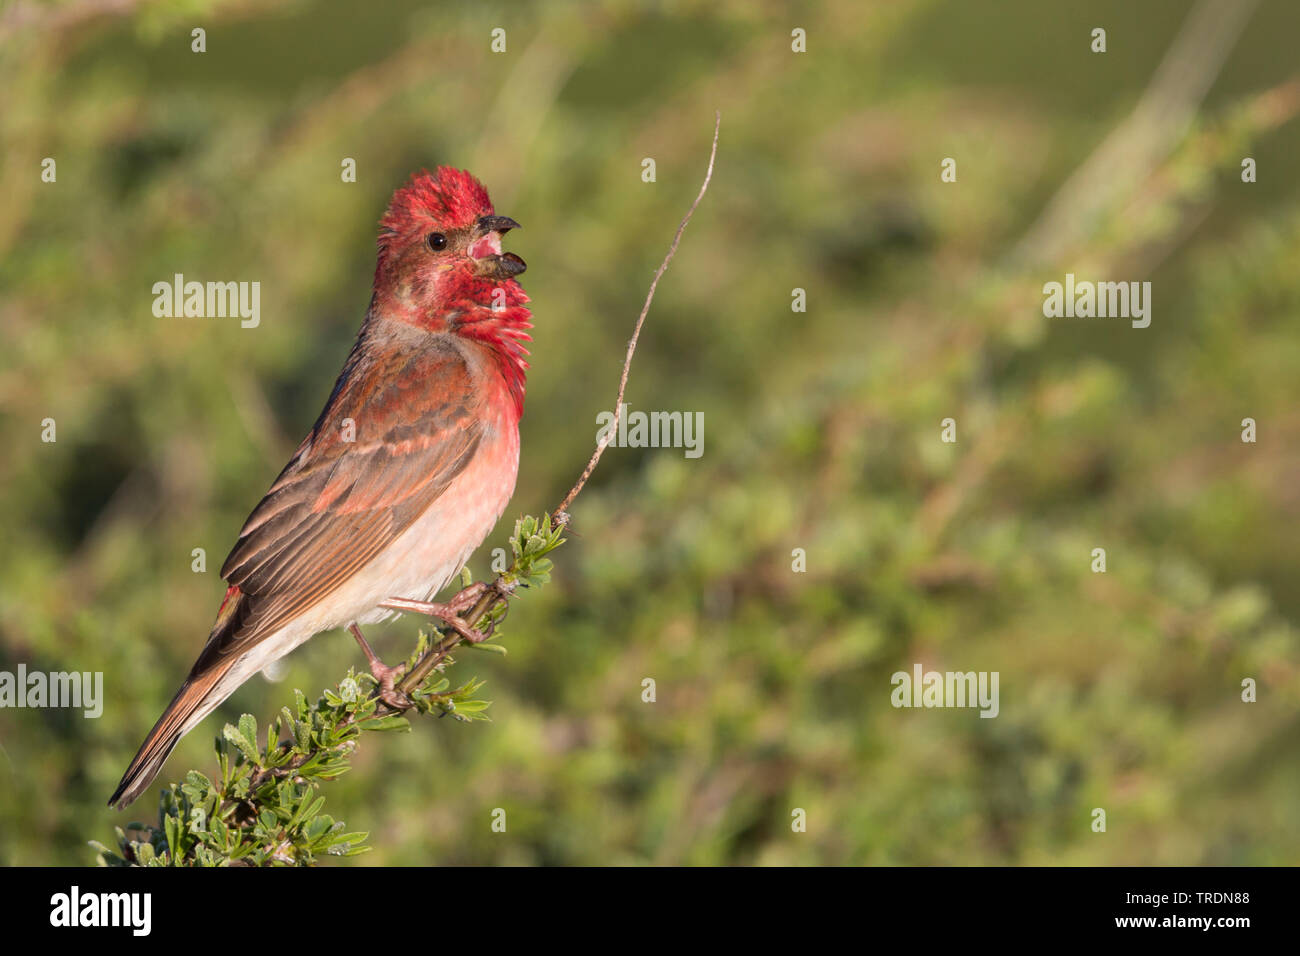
column 449, row 612
column 381, row 672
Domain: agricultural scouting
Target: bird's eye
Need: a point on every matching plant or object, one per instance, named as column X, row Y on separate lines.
column 436, row 241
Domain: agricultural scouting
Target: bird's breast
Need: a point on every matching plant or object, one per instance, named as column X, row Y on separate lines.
column 437, row 544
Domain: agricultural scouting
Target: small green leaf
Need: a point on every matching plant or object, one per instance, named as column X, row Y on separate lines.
column 248, row 727
column 247, row 748
column 391, row 722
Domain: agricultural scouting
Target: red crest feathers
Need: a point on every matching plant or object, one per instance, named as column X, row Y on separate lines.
column 448, row 198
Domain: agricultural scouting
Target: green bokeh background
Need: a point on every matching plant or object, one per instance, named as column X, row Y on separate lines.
column 1119, row 690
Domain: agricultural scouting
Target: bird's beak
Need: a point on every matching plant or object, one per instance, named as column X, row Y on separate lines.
column 498, row 224
column 490, row 262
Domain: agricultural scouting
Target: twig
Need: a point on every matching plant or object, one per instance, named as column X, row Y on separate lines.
column 560, row 515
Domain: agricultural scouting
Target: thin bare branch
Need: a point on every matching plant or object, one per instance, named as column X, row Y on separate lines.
column 559, row 515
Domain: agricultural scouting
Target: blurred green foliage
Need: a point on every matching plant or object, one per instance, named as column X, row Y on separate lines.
column 1119, row 690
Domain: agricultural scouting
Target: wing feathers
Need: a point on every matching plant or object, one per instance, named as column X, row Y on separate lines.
column 338, row 503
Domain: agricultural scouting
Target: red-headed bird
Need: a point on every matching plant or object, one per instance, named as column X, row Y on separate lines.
column 406, row 470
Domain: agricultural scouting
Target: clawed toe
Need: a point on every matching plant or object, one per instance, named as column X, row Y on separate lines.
column 466, row 598
column 387, row 678
column 385, row 675
column 449, row 613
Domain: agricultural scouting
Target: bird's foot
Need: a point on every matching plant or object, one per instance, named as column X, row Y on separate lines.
column 449, row 613
column 385, row 675
column 467, row 597
column 388, row 692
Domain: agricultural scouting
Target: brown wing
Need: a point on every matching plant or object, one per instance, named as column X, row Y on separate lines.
column 338, row 503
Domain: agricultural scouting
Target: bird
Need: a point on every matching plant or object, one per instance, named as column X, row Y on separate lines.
column 407, row 469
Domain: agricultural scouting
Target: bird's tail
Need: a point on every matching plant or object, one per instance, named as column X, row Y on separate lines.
column 198, row 696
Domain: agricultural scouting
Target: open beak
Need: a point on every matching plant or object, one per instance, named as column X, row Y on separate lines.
column 498, row 224
column 490, row 262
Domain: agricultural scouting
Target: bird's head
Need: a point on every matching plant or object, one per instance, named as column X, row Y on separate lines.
column 440, row 248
